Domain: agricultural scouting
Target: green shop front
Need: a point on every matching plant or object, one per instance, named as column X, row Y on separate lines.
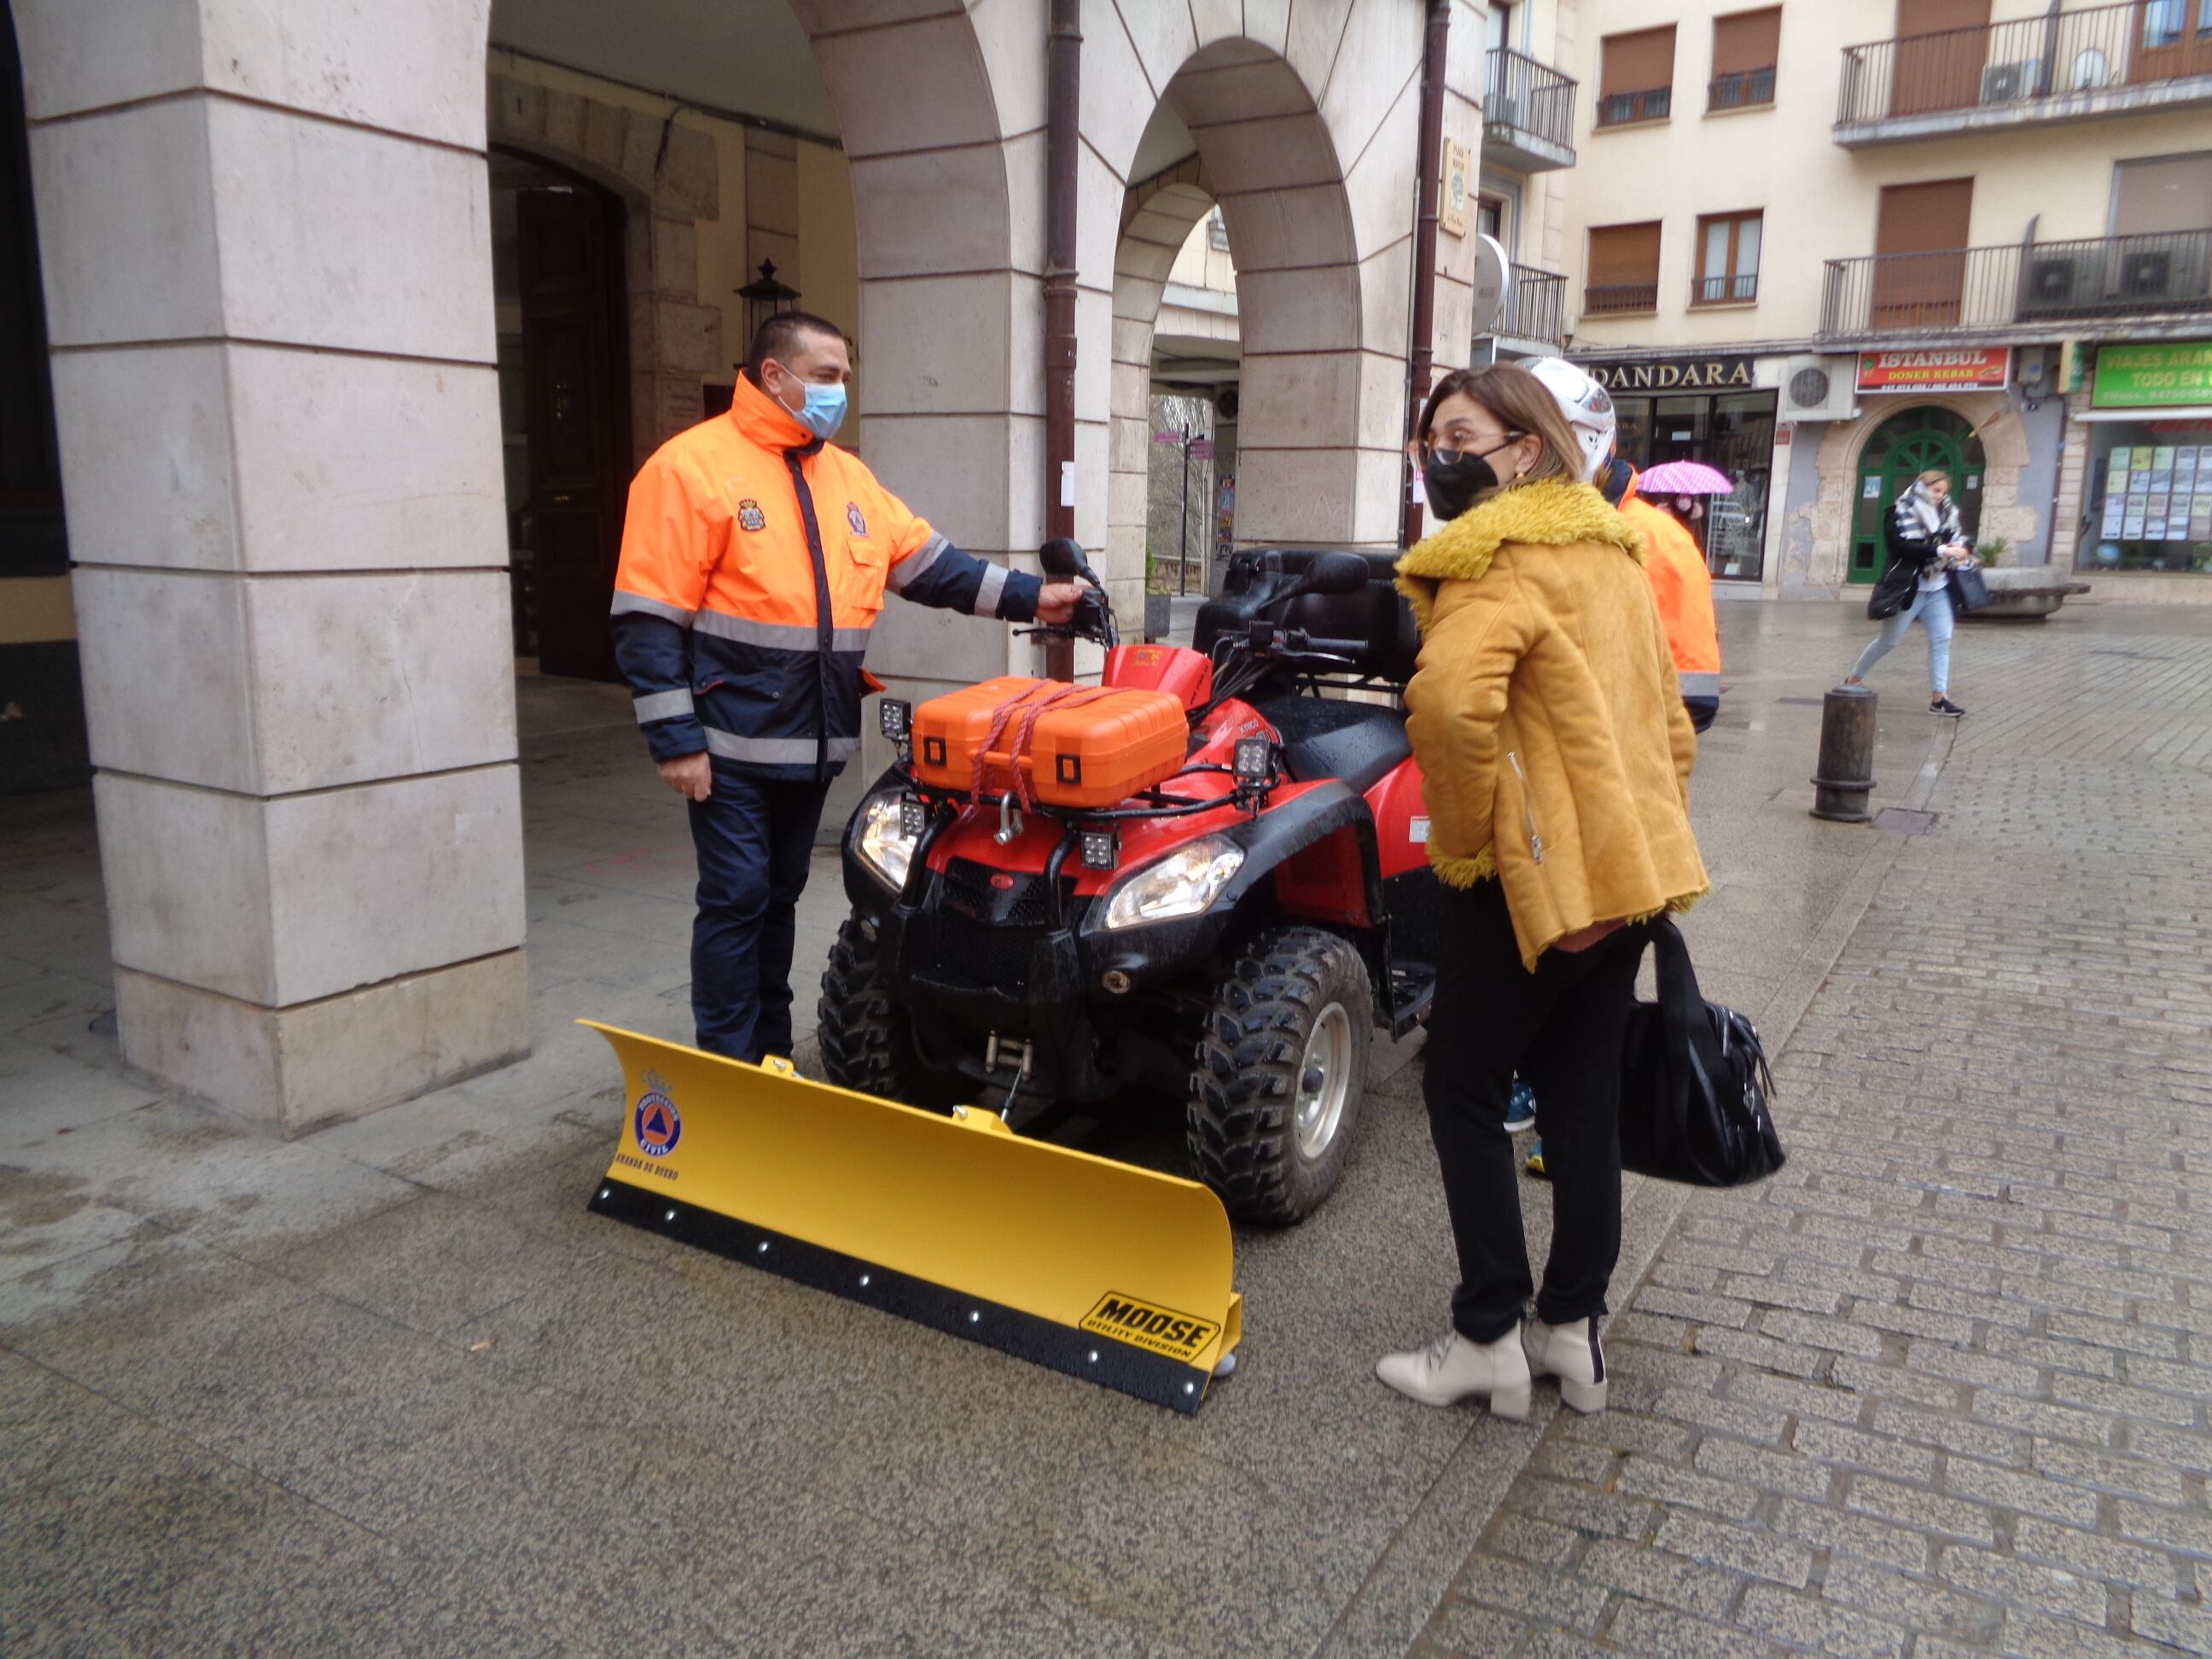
column 1703, row 409
column 2147, row 490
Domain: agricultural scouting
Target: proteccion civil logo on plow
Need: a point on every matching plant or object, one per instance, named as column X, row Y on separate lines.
column 657, row 1124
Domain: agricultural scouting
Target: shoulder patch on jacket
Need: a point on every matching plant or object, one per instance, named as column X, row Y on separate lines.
column 1554, row 512
column 750, row 516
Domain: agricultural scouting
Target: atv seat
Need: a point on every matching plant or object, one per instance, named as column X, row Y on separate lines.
column 1330, row 737
column 1376, row 615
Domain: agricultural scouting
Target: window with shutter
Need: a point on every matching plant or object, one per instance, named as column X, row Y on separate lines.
column 1727, row 259
column 1624, row 269
column 1636, row 76
column 1745, row 47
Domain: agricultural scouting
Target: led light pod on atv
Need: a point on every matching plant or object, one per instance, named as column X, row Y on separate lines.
column 1102, row 849
column 894, row 719
column 1254, row 761
column 885, row 846
column 912, row 818
column 1182, row 883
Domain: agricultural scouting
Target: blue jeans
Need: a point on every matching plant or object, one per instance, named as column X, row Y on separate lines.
column 1934, row 611
column 756, row 842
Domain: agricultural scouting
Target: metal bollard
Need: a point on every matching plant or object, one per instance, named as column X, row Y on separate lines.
column 1845, row 776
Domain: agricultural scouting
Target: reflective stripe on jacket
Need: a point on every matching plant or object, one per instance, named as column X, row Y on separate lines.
column 1684, row 588
column 754, row 562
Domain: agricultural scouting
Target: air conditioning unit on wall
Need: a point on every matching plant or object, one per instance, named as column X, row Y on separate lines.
column 1816, row 388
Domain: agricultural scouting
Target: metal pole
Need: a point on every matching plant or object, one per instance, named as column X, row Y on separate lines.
column 1422, row 356
column 1182, row 538
column 1063, row 102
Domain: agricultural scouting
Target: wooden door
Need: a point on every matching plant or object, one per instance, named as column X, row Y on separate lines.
column 574, row 355
column 1922, row 227
column 1942, row 47
column 2170, row 39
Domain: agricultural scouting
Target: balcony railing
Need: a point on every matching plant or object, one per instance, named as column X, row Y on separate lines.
column 1738, row 289
column 1746, row 89
column 1527, row 99
column 1620, row 296
column 1962, row 289
column 2142, row 44
column 1535, row 311
column 1653, row 104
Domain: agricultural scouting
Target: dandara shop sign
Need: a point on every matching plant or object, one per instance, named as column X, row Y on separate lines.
column 1673, row 375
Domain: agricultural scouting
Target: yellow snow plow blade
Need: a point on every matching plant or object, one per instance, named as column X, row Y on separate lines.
column 1099, row 1269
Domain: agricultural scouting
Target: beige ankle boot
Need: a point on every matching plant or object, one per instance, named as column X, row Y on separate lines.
column 1569, row 1352
column 1451, row 1368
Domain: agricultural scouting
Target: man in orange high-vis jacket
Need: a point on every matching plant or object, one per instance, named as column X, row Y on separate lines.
column 754, row 561
column 1684, row 588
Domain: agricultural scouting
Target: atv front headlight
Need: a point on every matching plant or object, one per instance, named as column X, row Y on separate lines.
column 1182, row 883
column 885, row 848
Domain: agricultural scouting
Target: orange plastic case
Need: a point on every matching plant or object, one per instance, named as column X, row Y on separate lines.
column 1103, row 747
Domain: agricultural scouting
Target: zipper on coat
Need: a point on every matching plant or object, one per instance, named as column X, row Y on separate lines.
column 1528, row 807
column 824, row 624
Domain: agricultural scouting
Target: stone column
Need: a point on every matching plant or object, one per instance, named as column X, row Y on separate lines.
column 267, row 269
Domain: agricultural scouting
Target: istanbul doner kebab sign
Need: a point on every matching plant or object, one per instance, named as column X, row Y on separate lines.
column 1974, row 368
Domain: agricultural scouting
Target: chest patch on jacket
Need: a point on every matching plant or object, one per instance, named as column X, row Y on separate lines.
column 853, row 518
column 750, row 516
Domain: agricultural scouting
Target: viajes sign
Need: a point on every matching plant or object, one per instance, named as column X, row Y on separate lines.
column 2154, row 374
column 1973, row 369
column 1673, row 373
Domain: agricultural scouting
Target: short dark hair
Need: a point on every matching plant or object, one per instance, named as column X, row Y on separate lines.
column 777, row 336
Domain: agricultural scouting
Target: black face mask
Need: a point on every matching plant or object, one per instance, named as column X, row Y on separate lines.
column 1454, row 485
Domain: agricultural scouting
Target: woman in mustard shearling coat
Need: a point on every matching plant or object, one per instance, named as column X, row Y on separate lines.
column 1556, row 752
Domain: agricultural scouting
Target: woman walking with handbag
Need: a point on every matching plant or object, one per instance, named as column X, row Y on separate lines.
column 1549, row 726
column 1926, row 540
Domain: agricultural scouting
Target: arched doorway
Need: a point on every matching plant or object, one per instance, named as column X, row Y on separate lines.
column 558, row 284
column 1902, row 448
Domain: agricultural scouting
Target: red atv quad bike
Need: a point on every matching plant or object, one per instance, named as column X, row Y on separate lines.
column 1227, row 933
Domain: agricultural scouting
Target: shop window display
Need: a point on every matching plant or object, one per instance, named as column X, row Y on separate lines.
column 2150, row 498
column 1733, row 431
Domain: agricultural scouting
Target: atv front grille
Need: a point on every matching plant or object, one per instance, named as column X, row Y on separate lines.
column 981, row 936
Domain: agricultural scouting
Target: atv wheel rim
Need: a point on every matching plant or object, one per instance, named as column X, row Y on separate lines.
column 1324, row 1080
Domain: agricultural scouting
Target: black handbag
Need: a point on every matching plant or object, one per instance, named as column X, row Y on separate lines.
column 1968, row 589
column 1694, row 1083
column 1893, row 590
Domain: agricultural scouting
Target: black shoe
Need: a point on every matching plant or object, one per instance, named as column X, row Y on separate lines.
column 1946, row 707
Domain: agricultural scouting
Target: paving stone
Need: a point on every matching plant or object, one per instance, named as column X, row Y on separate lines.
column 2021, row 1584
column 1914, row 1601
column 1656, row 1575
column 1645, row 1477
column 1880, row 1453
column 1643, row 1628
column 1762, row 1554
column 1917, row 1506
column 1767, row 1470
column 2091, row 1556
column 1806, row 1621
column 2188, row 1532
column 2159, row 1483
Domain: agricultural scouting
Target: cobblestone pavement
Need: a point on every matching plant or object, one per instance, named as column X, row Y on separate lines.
column 1940, row 1388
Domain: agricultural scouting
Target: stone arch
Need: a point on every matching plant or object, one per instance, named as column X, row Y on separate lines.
column 2005, row 458
column 1302, row 129
column 668, row 178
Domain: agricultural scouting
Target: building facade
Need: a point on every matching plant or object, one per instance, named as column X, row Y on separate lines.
column 1823, row 247
column 349, row 324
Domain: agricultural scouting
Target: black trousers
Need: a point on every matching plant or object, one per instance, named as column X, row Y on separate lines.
column 755, row 838
column 1561, row 1029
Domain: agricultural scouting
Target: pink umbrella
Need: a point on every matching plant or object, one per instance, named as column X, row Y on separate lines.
column 1683, row 478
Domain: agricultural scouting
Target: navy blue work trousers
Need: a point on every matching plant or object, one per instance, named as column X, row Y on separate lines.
column 755, row 839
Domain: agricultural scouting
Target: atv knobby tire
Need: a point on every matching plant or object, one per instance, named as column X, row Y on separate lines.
column 864, row 1035
column 1244, row 1091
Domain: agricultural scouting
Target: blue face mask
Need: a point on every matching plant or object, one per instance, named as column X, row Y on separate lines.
column 825, row 410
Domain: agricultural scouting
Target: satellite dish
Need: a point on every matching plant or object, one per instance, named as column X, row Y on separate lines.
column 1493, row 283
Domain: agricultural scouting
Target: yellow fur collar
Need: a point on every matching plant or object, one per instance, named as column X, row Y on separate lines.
column 1553, row 512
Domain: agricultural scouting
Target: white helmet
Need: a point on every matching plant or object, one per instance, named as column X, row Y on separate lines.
column 1587, row 406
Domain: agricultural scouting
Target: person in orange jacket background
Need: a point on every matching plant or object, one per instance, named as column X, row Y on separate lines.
column 1684, row 588
column 754, row 556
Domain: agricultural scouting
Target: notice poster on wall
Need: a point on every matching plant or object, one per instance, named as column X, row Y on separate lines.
column 2184, row 469
column 2131, row 527
column 2161, row 469
column 2116, row 509
column 2200, row 519
column 2139, row 482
